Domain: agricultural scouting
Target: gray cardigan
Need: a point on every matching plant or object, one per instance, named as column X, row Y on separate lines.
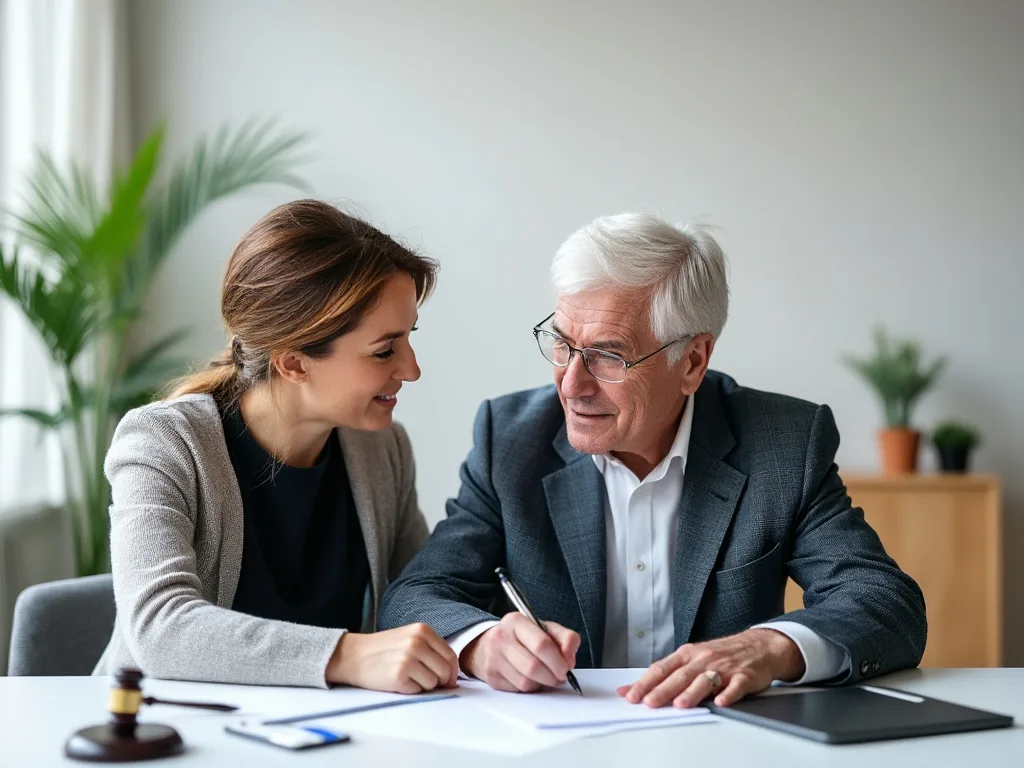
column 176, row 549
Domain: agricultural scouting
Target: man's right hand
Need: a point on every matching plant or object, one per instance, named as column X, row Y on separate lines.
column 517, row 655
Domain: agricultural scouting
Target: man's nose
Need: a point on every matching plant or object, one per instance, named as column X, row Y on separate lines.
column 577, row 381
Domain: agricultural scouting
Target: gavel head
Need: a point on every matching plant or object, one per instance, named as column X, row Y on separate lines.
column 125, row 700
column 128, row 678
column 123, row 739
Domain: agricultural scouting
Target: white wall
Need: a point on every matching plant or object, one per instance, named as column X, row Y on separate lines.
column 864, row 160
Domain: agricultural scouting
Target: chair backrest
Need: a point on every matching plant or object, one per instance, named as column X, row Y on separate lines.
column 62, row 627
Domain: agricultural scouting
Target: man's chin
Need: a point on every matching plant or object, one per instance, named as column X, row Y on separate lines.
column 587, row 440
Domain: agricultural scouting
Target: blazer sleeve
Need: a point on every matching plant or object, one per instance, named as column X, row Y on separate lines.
column 854, row 594
column 169, row 628
column 450, row 584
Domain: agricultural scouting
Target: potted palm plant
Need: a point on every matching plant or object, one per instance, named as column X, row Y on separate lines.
column 79, row 269
column 899, row 377
column 954, row 442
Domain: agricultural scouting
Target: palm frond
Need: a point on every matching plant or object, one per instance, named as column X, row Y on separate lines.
column 44, row 419
column 143, row 376
column 98, row 254
column 153, row 353
column 147, row 371
column 62, row 312
column 140, row 390
column 228, row 163
column 85, row 196
column 126, row 399
column 121, row 224
column 59, row 213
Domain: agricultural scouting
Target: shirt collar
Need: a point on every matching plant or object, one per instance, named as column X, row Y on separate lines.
column 679, row 448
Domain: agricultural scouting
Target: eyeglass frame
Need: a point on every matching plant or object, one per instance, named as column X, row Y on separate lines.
column 573, row 350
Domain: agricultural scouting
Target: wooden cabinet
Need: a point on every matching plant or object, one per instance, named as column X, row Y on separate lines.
column 946, row 532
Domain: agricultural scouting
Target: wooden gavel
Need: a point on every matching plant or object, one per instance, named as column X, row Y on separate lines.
column 123, row 738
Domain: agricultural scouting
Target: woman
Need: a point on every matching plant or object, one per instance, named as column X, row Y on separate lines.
column 259, row 513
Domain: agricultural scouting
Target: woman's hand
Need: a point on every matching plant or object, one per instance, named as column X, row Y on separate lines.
column 405, row 660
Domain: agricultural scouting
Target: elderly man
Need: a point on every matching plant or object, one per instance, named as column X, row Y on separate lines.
column 651, row 509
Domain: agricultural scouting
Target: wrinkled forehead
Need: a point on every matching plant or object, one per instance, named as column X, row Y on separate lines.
column 615, row 320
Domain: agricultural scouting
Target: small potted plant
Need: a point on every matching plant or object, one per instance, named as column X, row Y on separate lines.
column 899, row 377
column 954, row 442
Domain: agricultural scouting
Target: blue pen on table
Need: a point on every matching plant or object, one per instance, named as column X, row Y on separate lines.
column 518, row 599
column 360, row 708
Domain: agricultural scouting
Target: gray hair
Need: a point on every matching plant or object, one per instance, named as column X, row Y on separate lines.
column 682, row 266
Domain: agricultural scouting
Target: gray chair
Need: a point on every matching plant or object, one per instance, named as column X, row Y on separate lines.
column 62, row 627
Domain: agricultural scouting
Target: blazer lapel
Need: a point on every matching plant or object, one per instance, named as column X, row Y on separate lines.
column 711, row 491
column 210, row 431
column 231, row 546
column 360, row 478
column 575, row 496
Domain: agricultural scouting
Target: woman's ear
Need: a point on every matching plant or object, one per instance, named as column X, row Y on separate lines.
column 291, row 366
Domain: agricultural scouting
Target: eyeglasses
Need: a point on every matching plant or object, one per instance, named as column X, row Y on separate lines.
column 603, row 366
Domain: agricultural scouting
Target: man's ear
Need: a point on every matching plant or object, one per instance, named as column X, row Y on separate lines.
column 291, row 366
column 696, row 359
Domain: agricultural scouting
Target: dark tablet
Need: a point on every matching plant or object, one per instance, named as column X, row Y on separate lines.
column 868, row 713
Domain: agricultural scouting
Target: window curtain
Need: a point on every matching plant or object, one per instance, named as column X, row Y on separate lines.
column 64, row 89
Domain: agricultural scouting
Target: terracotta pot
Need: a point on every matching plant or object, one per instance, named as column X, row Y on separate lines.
column 899, row 450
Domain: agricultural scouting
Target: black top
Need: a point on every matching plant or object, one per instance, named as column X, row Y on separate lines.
column 303, row 555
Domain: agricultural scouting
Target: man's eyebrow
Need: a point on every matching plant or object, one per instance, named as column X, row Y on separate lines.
column 610, row 345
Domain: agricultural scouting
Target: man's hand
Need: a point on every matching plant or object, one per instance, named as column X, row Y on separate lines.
column 516, row 655
column 746, row 663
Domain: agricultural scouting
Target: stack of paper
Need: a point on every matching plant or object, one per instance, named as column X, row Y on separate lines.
column 600, row 705
column 482, row 719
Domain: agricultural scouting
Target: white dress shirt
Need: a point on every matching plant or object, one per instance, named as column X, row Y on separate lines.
column 641, row 525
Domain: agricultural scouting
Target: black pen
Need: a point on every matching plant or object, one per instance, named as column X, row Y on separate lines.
column 518, row 599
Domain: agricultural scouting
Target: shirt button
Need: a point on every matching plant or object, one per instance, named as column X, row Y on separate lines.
column 639, row 565
column 639, row 633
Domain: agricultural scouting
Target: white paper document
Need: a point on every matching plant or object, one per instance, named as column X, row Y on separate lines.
column 456, row 723
column 599, row 705
column 489, row 721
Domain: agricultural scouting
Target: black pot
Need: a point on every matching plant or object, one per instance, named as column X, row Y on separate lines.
column 953, row 458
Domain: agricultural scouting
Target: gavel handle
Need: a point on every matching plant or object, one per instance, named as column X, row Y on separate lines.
column 193, row 704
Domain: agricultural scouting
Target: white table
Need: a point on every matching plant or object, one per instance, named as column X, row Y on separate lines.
column 37, row 715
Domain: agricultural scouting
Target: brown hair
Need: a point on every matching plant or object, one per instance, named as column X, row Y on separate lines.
column 303, row 275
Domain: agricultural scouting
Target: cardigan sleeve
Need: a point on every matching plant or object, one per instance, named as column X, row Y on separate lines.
column 170, row 630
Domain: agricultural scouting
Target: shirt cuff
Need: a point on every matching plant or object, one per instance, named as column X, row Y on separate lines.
column 823, row 659
column 462, row 638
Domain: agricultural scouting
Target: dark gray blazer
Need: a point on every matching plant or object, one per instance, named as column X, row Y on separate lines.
column 762, row 500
